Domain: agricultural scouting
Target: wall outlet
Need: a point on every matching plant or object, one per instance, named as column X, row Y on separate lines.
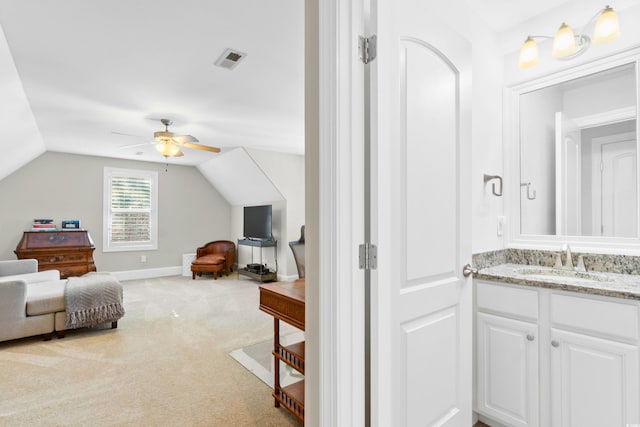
column 143, row 258
column 501, row 221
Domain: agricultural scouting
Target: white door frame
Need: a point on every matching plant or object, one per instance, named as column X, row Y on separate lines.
column 334, row 112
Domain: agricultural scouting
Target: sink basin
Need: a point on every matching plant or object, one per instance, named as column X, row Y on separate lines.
column 565, row 275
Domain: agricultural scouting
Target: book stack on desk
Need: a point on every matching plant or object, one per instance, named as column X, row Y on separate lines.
column 40, row 224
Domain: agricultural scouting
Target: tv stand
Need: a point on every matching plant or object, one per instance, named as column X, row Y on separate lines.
column 259, row 271
column 255, row 239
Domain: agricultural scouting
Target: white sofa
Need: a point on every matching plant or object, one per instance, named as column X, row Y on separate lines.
column 31, row 302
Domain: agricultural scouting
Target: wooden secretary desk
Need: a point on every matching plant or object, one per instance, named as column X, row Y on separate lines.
column 70, row 252
column 285, row 301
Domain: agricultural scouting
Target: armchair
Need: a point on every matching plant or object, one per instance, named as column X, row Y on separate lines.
column 214, row 257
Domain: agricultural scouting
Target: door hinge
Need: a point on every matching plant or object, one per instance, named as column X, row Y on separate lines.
column 368, row 49
column 368, row 256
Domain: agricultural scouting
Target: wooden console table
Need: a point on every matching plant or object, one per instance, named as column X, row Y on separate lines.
column 70, row 252
column 285, row 301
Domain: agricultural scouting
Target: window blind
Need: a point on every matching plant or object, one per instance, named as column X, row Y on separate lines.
column 130, row 209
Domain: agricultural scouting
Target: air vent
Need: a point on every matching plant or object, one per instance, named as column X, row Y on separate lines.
column 230, row 59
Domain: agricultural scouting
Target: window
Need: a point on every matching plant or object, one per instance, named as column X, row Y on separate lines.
column 130, row 210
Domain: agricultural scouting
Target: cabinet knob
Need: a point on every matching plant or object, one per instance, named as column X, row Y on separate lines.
column 555, row 343
column 530, row 337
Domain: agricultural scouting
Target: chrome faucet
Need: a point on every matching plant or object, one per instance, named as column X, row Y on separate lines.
column 568, row 263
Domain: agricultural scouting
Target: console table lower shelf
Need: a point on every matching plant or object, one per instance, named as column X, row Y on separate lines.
column 271, row 276
column 285, row 301
column 292, row 398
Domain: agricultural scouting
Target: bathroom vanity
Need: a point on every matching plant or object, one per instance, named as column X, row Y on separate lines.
column 557, row 348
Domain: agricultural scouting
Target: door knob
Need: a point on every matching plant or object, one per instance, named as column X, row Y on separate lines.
column 530, row 337
column 467, row 270
column 555, row 343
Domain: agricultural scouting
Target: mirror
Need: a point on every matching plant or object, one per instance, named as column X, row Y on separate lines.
column 578, row 155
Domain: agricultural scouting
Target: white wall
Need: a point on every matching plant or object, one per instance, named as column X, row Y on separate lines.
column 487, row 152
column 486, row 131
column 537, row 149
column 601, row 96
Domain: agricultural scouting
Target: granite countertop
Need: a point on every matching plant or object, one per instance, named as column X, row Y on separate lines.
column 591, row 282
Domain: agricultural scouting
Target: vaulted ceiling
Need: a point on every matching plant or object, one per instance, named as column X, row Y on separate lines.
column 75, row 75
column 89, row 69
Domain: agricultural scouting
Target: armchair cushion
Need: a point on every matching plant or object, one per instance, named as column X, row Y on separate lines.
column 210, row 259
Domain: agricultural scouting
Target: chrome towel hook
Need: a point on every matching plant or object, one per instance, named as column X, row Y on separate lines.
column 531, row 194
column 488, row 178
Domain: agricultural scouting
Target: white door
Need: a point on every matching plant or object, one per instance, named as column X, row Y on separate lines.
column 507, row 360
column 594, row 382
column 619, row 211
column 421, row 303
column 568, row 177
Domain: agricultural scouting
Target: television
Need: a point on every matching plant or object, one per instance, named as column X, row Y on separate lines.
column 257, row 222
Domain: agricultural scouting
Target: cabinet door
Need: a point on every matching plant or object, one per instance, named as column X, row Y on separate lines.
column 507, row 358
column 594, row 382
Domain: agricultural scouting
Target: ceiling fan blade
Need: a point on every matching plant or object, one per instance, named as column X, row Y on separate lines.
column 178, row 154
column 185, row 138
column 198, row 146
column 134, row 145
column 125, row 134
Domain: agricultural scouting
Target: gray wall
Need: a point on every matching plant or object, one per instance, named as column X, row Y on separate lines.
column 63, row 186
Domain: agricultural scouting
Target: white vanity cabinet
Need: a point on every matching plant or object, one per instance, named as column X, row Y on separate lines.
column 594, row 361
column 552, row 358
column 507, row 354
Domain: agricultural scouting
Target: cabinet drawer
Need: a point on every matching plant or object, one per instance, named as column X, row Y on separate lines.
column 57, row 239
column 507, row 300
column 609, row 318
column 74, row 270
column 61, row 258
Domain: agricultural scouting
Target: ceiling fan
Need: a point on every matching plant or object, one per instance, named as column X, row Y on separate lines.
column 168, row 143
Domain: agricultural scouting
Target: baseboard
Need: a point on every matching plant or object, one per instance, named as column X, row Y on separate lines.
column 488, row 421
column 148, row 273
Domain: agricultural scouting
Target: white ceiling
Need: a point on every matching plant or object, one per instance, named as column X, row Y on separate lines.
column 92, row 68
column 502, row 15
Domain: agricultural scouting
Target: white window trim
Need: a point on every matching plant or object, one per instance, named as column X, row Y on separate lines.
column 107, row 245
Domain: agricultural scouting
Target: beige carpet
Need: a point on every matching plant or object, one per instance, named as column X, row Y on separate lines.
column 167, row 364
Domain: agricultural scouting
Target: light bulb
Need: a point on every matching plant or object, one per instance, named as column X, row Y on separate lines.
column 528, row 53
column 564, row 42
column 607, row 27
column 167, row 149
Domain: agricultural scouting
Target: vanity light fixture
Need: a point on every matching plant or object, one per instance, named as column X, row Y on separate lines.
column 567, row 44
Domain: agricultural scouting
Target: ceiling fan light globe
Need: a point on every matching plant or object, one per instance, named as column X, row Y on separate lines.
column 162, row 136
column 167, row 150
